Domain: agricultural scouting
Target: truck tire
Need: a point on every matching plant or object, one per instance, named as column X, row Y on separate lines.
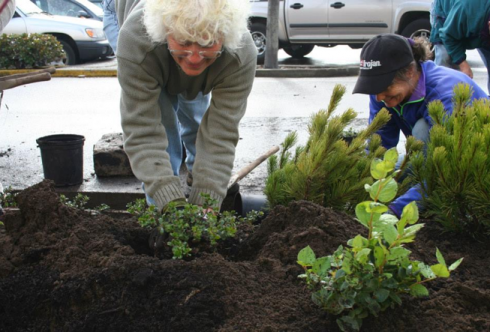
column 299, row 51
column 71, row 57
column 418, row 28
column 257, row 30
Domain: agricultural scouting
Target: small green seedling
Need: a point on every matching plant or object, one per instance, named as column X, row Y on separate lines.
column 7, row 197
column 80, row 201
column 186, row 226
column 369, row 275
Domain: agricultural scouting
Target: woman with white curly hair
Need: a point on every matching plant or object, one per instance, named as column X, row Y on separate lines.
column 186, row 68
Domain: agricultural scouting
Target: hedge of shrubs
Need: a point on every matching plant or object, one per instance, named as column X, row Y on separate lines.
column 27, row 51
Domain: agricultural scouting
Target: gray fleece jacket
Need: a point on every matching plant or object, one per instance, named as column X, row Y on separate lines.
column 144, row 69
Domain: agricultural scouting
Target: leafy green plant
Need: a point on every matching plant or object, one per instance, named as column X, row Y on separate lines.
column 454, row 175
column 29, row 50
column 7, row 198
column 184, row 227
column 369, row 275
column 80, row 201
column 349, row 135
column 327, row 170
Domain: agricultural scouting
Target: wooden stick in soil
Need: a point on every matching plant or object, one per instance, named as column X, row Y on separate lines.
column 247, row 169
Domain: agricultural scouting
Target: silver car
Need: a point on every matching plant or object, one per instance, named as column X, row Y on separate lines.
column 82, row 39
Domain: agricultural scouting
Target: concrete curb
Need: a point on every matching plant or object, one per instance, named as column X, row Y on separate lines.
column 283, row 71
column 66, row 72
column 308, row 71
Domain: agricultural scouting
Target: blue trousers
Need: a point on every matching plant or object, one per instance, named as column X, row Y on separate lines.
column 421, row 132
column 111, row 25
column 181, row 119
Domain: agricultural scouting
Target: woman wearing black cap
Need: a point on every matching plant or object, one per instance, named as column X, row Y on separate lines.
column 395, row 72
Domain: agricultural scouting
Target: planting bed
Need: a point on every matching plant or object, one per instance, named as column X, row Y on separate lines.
column 63, row 269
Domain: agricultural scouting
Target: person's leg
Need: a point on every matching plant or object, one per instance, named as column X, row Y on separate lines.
column 190, row 114
column 485, row 56
column 442, row 57
column 111, row 25
column 421, row 132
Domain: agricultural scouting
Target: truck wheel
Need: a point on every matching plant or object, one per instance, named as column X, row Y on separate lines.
column 417, row 28
column 257, row 29
column 71, row 57
column 298, row 51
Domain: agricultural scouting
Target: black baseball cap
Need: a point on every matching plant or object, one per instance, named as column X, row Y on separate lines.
column 381, row 57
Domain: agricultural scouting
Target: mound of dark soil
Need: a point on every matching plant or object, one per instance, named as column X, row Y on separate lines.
column 62, row 269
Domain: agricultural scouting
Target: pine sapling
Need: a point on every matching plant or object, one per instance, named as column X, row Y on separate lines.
column 454, row 174
column 327, row 170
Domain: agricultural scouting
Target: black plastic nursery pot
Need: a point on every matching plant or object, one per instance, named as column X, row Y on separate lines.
column 62, row 158
column 243, row 204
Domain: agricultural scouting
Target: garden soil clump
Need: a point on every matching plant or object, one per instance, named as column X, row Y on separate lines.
column 63, row 269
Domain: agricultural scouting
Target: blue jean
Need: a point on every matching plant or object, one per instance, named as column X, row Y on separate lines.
column 111, row 25
column 421, row 132
column 485, row 56
column 181, row 119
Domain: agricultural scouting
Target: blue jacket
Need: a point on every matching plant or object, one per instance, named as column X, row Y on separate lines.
column 435, row 83
column 461, row 25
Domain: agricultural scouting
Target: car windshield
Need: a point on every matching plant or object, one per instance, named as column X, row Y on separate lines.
column 27, row 7
column 94, row 8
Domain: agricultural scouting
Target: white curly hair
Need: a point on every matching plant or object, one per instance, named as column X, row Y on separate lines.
column 202, row 21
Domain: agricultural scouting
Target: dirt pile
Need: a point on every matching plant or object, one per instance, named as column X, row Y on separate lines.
column 63, row 269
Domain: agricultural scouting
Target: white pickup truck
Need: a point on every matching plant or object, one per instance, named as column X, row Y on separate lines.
column 306, row 23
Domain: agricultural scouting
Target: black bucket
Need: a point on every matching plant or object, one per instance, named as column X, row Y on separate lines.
column 62, row 157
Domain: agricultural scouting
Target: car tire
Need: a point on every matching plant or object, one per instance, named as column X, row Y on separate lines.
column 418, row 28
column 71, row 57
column 257, row 30
column 299, row 51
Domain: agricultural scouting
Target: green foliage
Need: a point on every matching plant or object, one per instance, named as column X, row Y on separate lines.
column 327, row 170
column 29, row 51
column 454, row 174
column 349, row 133
column 80, row 201
column 369, row 275
column 7, row 198
column 187, row 226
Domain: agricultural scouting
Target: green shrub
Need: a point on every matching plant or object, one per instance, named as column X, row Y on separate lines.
column 370, row 275
column 29, row 51
column 7, row 197
column 80, row 201
column 327, row 171
column 185, row 227
column 454, row 176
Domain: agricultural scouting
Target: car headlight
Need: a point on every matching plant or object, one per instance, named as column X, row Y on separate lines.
column 95, row 33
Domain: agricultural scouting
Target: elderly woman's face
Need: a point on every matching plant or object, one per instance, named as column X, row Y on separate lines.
column 193, row 58
column 395, row 94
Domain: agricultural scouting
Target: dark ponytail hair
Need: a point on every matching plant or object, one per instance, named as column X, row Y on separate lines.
column 421, row 52
column 421, row 49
